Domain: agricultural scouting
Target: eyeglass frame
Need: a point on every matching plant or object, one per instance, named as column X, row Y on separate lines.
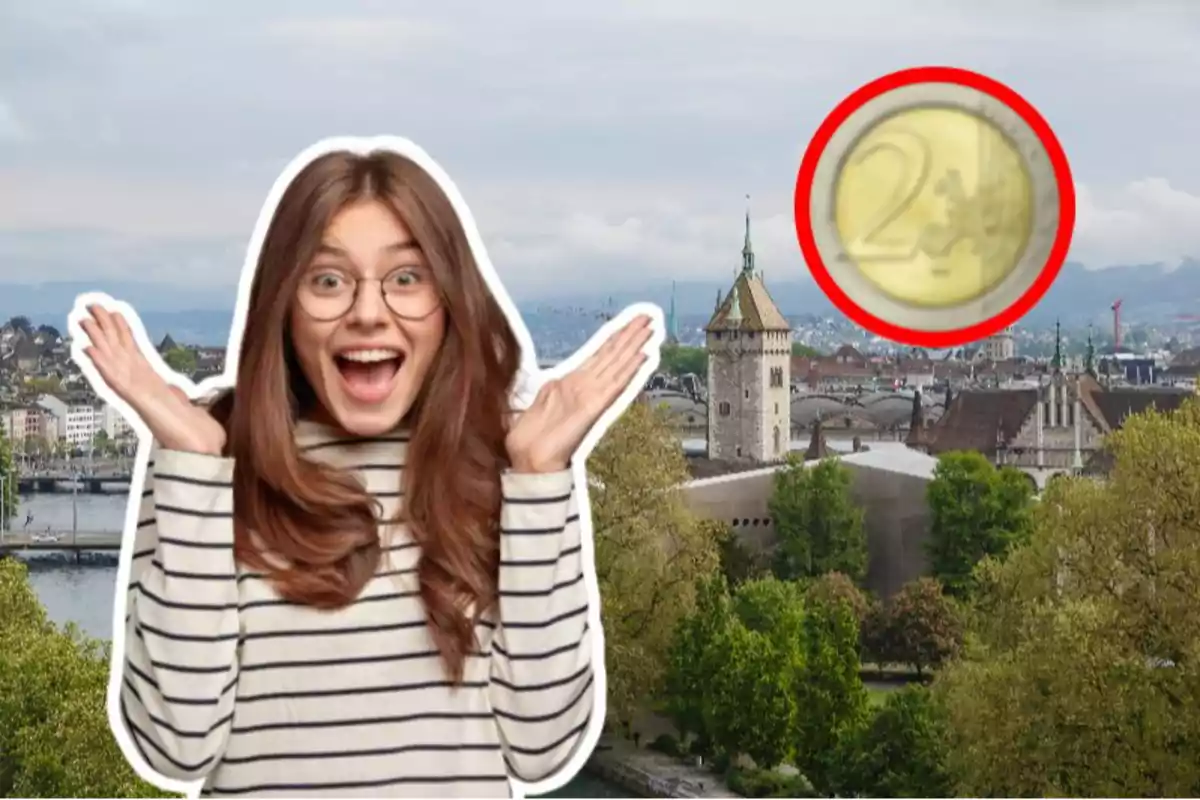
column 357, row 283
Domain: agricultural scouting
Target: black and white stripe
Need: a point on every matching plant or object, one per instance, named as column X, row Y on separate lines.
column 258, row 695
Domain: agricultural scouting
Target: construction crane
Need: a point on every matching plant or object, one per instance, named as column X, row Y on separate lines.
column 1116, row 309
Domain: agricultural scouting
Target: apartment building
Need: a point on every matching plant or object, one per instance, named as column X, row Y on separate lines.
column 76, row 419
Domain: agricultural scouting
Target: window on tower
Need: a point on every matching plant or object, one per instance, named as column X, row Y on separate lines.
column 723, row 409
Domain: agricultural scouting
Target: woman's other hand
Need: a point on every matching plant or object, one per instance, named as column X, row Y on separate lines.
column 547, row 434
column 173, row 420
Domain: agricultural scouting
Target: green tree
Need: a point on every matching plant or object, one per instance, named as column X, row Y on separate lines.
column 830, row 691
column 1084, row 676
column 740, row 561
column 181, row 359
column 819, row 527
column 55, row 739
column 900, row 752
column 755, row 665
column 760, row 673
column 680, row 359
column 101, row 442
column 650, row 550
column 686, row 680
column 919, row 627
column 838, row 588
column 977, row 511
column 751, row 704
column 8, row 483
column 47, row 385
column 804, row 351
column 22, row 324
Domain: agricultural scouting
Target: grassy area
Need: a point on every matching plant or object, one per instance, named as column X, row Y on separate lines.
column 876, row 695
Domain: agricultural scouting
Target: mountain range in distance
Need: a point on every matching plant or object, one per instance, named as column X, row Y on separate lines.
column 201, row 315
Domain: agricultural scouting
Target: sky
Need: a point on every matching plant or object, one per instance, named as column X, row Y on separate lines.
column 595, row 141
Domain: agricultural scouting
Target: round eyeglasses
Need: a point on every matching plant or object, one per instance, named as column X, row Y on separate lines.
column 327, row 295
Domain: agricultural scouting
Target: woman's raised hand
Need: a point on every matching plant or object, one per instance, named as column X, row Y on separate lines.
column 547, row 434
column 174, row 421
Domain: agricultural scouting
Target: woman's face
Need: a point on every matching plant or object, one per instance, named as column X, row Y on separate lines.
column 365, row 356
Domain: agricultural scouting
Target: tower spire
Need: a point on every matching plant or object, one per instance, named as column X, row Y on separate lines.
column 1089, row 364
column 747, row 249
column 1057, row 363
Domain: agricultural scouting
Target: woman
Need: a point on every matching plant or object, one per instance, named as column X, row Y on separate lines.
column 360, row 572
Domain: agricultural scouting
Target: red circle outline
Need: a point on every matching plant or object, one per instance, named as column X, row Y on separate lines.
column 1058, row 162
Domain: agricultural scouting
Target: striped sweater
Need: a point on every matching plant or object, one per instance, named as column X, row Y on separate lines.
column 225, row 681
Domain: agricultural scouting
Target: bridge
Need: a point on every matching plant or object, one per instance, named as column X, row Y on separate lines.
column 59, row 541
column 47, row 483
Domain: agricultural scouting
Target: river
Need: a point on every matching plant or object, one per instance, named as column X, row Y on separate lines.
column 84, row 594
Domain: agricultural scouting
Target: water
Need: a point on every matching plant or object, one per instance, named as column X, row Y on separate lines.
column 84, row 594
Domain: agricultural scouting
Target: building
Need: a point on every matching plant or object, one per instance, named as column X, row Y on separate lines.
column 76, row 420
column 112, row 423
column 1056, row 427
column 999, row 347
column 749, row 346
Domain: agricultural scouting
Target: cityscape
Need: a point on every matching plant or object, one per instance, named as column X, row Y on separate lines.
column 760, row 413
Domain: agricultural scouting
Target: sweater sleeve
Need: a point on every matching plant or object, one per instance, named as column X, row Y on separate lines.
column 181, row 624
column 542, row 687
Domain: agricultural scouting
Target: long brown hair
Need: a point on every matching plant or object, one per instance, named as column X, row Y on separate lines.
column 315, row 529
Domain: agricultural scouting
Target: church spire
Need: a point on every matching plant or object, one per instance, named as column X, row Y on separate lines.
column 747, row 249
column 1057, row 363
column 1089, row 359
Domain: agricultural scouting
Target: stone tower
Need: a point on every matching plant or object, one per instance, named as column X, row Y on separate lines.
column 749, row 370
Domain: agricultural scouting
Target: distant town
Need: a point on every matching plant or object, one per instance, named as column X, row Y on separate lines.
column 861, row 387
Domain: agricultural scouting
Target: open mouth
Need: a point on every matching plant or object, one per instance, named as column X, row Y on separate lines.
column 368, row 376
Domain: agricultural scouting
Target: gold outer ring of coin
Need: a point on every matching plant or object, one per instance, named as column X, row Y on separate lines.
column 926, row 131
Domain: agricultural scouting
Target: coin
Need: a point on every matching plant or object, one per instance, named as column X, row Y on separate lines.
column 935, row 211
column 934, row 206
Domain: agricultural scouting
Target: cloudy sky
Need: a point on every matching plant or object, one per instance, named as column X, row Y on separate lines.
column 595, row 141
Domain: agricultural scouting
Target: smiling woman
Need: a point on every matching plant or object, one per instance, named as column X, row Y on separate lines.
column 361, row 571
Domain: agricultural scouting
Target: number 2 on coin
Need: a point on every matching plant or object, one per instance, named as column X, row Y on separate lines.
column 915, row 161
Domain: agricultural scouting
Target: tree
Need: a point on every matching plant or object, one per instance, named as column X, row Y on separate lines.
column 101, row 441
column 751, row 704
column 46, row 385
column 181, row 359
column 977, row 511
column 650, row 549
column 919, row 627
column 900, row 752
column 55, row 739
column 830, row 691
column 760, row 673
column 22, row 324
column 804, row 351
column 740, row 562
column 686, row 682
column 679, row 359
column 820, row 528
column 9, row 497
column 1084, row 679
column 838, row 588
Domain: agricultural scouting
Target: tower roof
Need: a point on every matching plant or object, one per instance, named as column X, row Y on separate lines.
column 756, row 309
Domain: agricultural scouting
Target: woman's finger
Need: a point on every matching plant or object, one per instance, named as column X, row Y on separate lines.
column 104, row 323
column 98, row 341
column 615, row 345
column 629, row 350
column 124, row 333
column 591, row 363
column 102, row 365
